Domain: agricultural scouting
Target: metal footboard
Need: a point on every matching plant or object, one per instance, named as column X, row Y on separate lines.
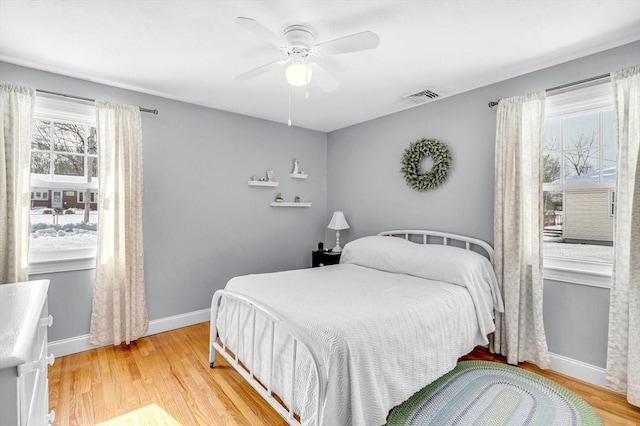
column 283, row 404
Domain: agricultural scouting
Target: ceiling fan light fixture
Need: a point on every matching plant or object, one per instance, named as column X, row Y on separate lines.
column 298, row 74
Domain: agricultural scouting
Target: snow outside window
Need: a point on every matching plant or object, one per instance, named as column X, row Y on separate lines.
column 64, row 172
column 579, row 176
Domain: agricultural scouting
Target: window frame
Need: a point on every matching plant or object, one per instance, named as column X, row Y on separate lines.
column 591, row 98
column 77, row 112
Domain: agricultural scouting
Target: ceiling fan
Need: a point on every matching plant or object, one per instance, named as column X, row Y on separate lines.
column 298, row 42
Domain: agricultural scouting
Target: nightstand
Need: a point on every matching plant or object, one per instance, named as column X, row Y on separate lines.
column 324, row 258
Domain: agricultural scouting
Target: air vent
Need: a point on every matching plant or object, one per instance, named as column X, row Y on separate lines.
column 422, row 96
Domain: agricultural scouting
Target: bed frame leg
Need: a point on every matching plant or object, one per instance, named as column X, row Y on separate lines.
column 215, row 303
column 212, row 356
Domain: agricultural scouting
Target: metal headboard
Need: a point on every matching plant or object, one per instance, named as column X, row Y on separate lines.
column 446, row 239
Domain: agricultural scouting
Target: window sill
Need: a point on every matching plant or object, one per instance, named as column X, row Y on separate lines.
column 62, row 261
column 576, row 272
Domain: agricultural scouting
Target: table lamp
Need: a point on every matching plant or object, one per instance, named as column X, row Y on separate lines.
column 337, row 223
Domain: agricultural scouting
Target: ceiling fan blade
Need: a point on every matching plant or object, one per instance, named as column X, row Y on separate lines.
column 323, row 79
column 261, row 31
column 351, row 43
column 260, row 70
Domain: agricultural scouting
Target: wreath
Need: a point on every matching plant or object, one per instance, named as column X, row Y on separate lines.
column 412, row 157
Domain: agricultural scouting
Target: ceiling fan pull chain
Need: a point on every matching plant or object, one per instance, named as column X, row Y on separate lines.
column 306, row 78
column 289, row 122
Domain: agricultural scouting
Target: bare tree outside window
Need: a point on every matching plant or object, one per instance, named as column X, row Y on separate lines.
column 551, row 165
column 69, row 138
column 68, row 165
column 583, row 154
column 41, row 163
column 41, row 135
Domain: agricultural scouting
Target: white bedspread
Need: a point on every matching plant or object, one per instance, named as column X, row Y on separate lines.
column 381, row 336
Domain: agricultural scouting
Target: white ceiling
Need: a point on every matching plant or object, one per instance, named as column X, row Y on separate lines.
column 192, row 50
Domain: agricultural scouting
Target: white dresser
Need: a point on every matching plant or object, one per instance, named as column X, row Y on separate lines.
column 24, row 321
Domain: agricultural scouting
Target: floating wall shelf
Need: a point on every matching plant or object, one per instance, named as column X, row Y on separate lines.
column 260, row 183
column 288, row 204
column 299, row 175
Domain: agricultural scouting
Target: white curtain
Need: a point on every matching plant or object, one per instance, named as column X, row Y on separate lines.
column 517, row 234
column 623, row 356
column 16, row 114
column 119, row 311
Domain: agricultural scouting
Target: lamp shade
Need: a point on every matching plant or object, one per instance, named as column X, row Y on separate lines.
column 338, row 222
column 298, row 74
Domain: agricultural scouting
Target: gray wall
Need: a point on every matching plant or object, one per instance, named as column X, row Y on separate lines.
column 364, row 181
column 202, row 223
column 576, row 319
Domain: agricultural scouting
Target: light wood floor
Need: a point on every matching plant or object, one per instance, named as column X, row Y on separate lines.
column 165, row 379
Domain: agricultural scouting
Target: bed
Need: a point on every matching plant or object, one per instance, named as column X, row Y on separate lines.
column 343, row 344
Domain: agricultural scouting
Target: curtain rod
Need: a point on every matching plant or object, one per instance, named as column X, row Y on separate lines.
column 152, row 111
column 563, row 86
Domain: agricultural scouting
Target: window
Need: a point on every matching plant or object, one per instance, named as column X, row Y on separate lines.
column 612, row 203
column 64, row 166
column 92, row 199
column 63, row 151
column 579, row 174
column 40, row 195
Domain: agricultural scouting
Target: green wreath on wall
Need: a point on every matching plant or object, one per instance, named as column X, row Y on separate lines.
column 412, row 157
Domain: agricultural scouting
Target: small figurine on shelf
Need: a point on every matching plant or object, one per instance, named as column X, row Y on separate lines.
column 296, row 165
column 269, row 175
column 262, row 179
column 253, row 178
column 279, row 198
column 297, row 199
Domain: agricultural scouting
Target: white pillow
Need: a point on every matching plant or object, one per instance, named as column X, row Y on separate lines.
column 431, row 261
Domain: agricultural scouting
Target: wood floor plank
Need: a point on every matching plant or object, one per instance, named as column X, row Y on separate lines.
column 97, row 397
column 62, row 388
column 165, row 379
column 88, row 406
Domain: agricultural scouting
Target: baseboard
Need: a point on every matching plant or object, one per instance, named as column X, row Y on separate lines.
column 178, row 321
column 562, row 364
column 77, row 344
column 577, row 369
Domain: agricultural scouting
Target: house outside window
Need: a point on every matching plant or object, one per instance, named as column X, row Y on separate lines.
column 579, row 176
column 64, row 170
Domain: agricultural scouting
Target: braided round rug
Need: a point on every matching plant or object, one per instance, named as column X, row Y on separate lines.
column 490, row 393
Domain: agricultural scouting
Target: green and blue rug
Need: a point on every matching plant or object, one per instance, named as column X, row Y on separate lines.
column 490, row 393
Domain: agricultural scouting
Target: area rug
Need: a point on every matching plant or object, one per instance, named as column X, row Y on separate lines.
column 490, row 393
